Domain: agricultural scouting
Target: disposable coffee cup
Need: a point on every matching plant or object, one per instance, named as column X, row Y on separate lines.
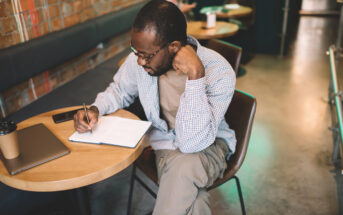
column 210, row 20
column 9, row 139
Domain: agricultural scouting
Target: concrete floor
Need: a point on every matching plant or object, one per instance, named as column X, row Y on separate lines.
column 288, row 168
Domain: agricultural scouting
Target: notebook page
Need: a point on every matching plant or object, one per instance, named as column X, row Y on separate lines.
column 114, row 131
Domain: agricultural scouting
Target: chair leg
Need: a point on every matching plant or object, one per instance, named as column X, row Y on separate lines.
column 240, row 194
column 132, row 183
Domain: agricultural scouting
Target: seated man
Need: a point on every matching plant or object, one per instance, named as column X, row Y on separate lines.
column 185, row 90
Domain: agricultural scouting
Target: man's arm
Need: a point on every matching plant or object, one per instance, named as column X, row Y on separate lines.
column 121, row 92
column 204, row 102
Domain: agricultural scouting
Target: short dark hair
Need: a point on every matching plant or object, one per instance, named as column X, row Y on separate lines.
column 165, row 18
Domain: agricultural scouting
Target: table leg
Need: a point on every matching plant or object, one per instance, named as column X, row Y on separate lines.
column 82, row 200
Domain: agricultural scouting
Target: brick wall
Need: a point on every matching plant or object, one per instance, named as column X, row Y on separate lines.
column 22, row 20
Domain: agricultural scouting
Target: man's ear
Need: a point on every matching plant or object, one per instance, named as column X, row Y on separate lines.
column 174, row 46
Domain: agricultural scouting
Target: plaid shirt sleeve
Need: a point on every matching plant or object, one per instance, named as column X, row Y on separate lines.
column 203, row 105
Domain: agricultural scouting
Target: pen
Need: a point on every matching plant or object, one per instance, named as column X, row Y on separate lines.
column 85, row 109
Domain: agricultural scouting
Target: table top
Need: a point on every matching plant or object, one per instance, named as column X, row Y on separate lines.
column 84, row 165
column 222, row 29
column 235, row 13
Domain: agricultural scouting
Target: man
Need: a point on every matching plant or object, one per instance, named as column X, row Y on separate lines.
column 185, row 90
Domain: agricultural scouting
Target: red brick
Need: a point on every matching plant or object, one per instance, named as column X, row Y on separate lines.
column 30, row 93
column 81, row 67
column 54, row 11
column 87, row 3
column 7, row 40
column 54, row 82
column 38, row 3
column 67, row 75
column 56, row 24
column 71, row 20
column 31, row 33
column 37, row 79
column 3, row 9
column 40, row 15
column 86, row 14
column 8, row 24
column 40, row 89
column 13, row 105
column 116, row 3
column 52, row 2
column 15, row 90
column 44, row 28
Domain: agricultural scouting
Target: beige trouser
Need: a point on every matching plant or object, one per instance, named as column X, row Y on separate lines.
column 183, row 179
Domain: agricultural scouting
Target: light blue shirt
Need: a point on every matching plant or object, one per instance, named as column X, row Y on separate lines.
column 200, row 117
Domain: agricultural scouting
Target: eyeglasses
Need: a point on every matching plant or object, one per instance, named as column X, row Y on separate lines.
column 146, row 57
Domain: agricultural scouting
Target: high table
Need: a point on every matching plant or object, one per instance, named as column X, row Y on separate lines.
column 222, row 29
column 86, row 164
column 241, row 11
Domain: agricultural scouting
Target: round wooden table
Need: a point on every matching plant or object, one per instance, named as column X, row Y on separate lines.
column 222, row 29
column 235, row 13
column 85, row 164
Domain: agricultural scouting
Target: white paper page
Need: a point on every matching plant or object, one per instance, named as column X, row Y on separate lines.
column 115, row 131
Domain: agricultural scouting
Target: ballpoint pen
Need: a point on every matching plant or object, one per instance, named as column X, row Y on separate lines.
column 85, row 109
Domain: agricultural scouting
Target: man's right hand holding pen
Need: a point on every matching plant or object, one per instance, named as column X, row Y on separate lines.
column 80, row 121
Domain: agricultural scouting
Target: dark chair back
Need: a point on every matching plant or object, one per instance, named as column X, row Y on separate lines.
column 229, row 51
column 239, row 116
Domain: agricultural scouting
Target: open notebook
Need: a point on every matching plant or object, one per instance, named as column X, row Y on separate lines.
column 37, row 145
column 114, row 130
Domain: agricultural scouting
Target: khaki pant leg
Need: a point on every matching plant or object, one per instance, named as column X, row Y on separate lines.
column 183, row 179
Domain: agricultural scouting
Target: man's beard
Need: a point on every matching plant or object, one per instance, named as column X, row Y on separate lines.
column 162, row 70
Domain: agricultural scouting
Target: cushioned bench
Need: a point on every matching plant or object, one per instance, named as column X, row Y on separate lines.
column 21, row 62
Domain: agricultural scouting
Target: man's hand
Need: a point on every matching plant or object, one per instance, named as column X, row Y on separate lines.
column 80, row 121
column 187, row 61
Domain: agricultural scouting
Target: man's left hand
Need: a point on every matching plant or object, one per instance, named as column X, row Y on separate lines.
column 187, row 61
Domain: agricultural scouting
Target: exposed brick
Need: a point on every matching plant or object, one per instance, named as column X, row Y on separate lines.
column 71, row 20
column 86, row 14
column 13, row 104
column 87, row 3
column 31, row 32
column 67, row 8
column 54, row 11
column 6, row 41
column 40, row 89
column 78, row 6
column 52, row 2
column 24, row 5
column 30, row 94
column 8, row 24
column 3, row 9
column 81, row 67
column 44, row 28
column 67, row 75
column 40, row 16
column 15, row 90
column 56, row 24
column 38, row 3
column 8, row 6
column 115, row 4
column 54, row 82
column 37, row 79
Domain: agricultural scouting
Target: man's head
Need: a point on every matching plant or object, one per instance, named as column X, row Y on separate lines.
column 158, row 32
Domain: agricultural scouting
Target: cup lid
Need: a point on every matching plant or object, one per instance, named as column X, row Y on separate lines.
column 7, row 127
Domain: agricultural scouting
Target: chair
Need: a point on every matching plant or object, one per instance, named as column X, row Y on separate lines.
column 240, row 116
column 229, row 51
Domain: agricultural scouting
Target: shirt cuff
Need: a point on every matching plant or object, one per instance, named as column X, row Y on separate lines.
column 194, row 86
column 100, row 108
